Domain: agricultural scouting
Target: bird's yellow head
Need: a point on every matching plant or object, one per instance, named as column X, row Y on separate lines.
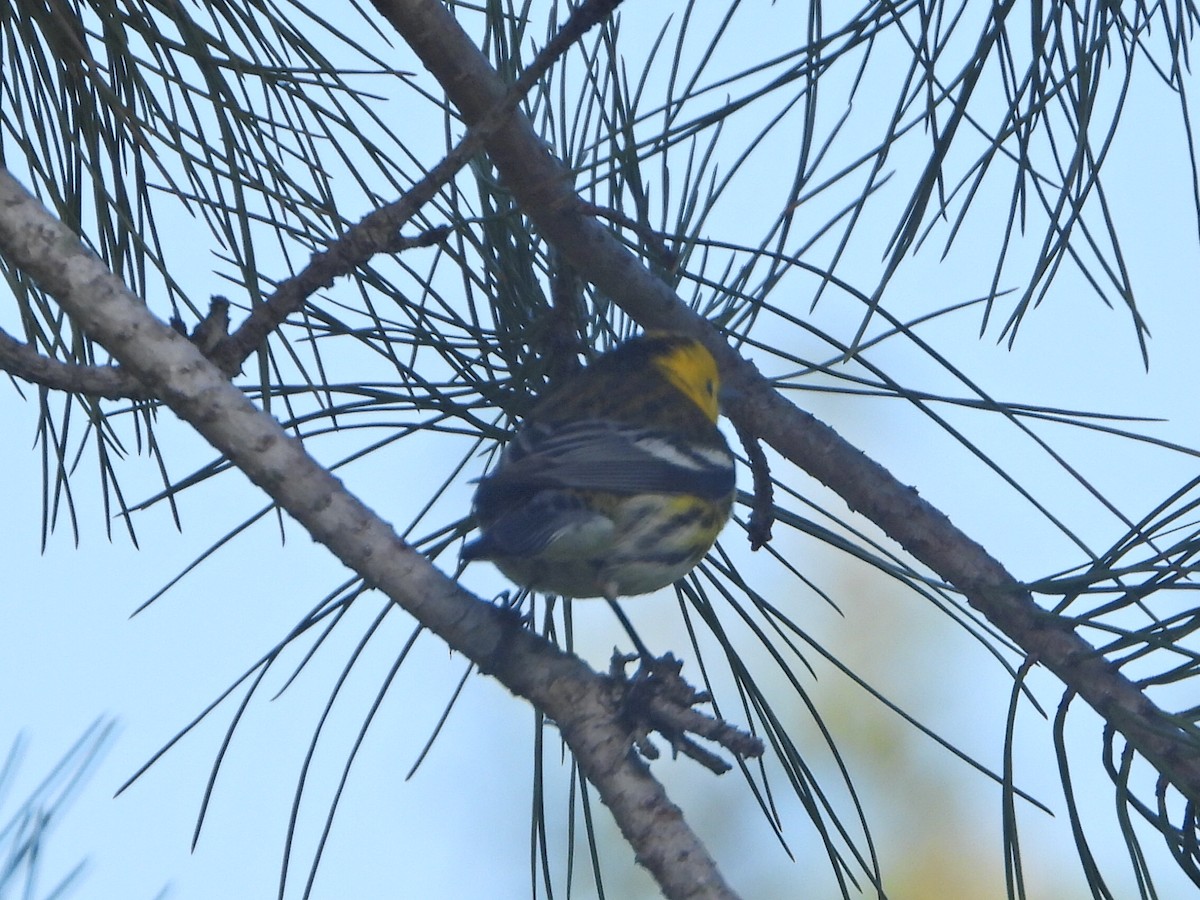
column 689, row 366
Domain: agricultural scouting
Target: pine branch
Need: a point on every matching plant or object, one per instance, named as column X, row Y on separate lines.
column 541, row 185
column 377, row 232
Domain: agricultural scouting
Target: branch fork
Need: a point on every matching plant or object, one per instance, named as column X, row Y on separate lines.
column 657, row 698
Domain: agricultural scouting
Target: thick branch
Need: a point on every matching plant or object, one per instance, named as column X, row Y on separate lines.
column 577, row 699
column 542, row 187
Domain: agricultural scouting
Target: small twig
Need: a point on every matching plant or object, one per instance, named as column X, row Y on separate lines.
column 685, row 746
column 762, row 512
column 212, row 329
column 22, row 361
column 687, row 720
column 375, row 233
column 657, row 698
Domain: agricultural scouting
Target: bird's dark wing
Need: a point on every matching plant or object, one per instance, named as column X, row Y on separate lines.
column 600, row 455
column 547, row 520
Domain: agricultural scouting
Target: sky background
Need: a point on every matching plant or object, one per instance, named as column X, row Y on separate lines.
column 72, row 650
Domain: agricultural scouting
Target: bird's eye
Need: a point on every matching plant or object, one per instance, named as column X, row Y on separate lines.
column 710, row 387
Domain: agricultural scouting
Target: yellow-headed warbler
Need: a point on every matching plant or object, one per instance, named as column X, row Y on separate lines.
column 618, row 481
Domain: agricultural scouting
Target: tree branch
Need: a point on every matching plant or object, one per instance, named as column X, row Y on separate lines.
column 542, row 187
column 577, row 699
column 377, row 232
column 22, row 361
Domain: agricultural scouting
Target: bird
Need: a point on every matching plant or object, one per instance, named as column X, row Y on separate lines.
column 617, row 482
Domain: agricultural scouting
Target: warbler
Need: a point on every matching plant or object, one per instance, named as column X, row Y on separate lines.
column 618, row 481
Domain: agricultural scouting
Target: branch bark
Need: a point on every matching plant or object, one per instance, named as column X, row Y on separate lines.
column 22, row 361
column 542, row 187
